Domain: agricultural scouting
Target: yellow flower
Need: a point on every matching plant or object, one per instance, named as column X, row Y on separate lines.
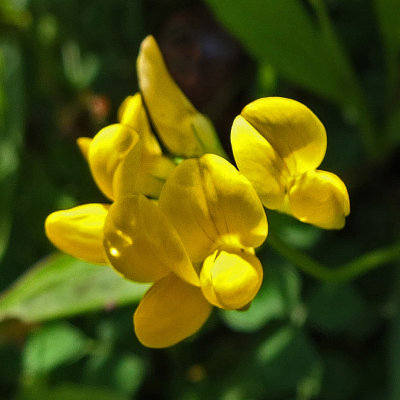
column 79, row 231
column 196, row 245
column 184, row 130
column 122, row 163
column 126, row 158
column 278, row 145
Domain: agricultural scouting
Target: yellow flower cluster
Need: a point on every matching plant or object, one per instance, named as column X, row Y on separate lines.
column 191, row 228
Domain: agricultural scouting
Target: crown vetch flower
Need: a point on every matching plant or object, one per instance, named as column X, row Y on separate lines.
column 196, row 245
column 278, row 145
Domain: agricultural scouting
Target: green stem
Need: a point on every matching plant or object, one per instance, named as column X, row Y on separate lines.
column 301, row 260
column 345, row 272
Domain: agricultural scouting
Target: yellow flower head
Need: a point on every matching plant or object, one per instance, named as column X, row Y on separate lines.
column 278, row 145
column 122, row 162
column 196, row 245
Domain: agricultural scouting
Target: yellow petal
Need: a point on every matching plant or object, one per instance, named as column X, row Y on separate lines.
column 133, row 114
column 107, row 150
column 151, row 167
column 292, row 129
column 169, row 312
column 79, row 231
column 259, row 162
column 121, row 165
column 142, row 245
column 83, row 144
column 231, row 280
column 211, row 204
column 153, row 173
column 140, row 172
column 184, row 130
column 320, row 198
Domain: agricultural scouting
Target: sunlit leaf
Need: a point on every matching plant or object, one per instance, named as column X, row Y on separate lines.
column 63, row 286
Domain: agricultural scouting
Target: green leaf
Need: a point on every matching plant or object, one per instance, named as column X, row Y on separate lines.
column 388, row 15
column 63, row 286
column 283, row 34
column 335, row 308
column 11, row 132
column 340, row 378
column 289, row 363
column 67, row 391
column 52, row 346
column 277, row 299
column 394, row 343
column 128, row 373
column 79, row 70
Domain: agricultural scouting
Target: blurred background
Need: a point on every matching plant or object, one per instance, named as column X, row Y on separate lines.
column 66, row 327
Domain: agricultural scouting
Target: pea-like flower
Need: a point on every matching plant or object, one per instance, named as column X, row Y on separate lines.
column 196, row 245
column 278, row 144
column 122, row 162
column 126, row 158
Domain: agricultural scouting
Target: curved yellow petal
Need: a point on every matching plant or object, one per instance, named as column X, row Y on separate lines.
column 83, row 144
column 184, row 130
column 210, row 204
column 151, row 167
column 153, row 173
column 142, row 245
column 140, row 172
column 133, row 114
column 292, row 129
column 320, row 198
column 169, row 312
column 79, row 231
column 231, row 280
column 259, row 162
column 106, row 152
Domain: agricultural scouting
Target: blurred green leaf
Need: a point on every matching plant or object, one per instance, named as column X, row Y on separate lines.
column 11, row 132
column 15, row 13
column 289, row 362
column 394, row 343
column 128, row 373
column 283, row 34
column 334, row 308
column 277, row 299
column 79, row 70
column 340, row 378
column 52, row 346
column 63, row 286
column 387, row 12
column 394, row 129
column 67, row 392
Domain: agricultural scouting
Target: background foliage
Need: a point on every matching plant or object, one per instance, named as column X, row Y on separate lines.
column 326, row 329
